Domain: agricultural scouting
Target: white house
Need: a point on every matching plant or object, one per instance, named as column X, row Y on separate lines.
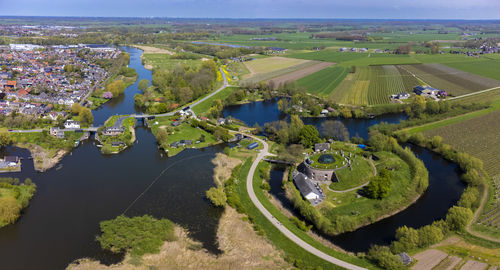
column 305, row 186
column 71, row 124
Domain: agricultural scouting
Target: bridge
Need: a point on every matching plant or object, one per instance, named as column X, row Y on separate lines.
column 275, row 161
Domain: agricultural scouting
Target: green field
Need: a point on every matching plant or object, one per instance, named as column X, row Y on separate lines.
column 164, row 61
column 489, row 68
column 203, row 107
column 324, row 81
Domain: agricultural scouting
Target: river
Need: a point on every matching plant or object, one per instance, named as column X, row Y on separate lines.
column 445, row 186
column 62, row 220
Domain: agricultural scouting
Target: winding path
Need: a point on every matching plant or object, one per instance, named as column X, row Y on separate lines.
column 249, row 183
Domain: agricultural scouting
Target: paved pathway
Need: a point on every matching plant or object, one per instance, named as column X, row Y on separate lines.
column 264, row 152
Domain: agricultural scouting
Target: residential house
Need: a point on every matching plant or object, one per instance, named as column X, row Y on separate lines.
column 112, row 131
column 71, row 124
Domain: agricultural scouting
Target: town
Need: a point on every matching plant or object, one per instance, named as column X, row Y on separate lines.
column 46, row 80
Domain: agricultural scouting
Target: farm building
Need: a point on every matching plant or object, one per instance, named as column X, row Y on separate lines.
column 305, row 186
column 252, row 145
column 401, row 96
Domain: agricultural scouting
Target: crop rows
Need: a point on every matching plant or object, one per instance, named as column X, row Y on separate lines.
column 454, row 81
column 372, row 85
column 324, row 81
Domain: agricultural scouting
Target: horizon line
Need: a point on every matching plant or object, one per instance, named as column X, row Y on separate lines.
column 244, row 18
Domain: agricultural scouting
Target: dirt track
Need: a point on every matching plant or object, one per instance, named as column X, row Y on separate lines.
column 293, row 76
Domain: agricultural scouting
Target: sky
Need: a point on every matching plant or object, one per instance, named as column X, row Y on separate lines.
column 330, row 9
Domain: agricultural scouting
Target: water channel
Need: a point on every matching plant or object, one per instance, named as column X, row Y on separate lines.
column 62, row 221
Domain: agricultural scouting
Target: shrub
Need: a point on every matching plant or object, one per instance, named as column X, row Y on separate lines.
column 300, row 224
column 139, row 235
column 216, row 196
column 383, row 257
column 458, row 217
column 10, row 210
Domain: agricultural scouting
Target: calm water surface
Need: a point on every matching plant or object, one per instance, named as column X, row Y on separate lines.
column 63, row 218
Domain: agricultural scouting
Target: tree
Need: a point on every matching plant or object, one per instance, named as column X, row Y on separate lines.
column 86, row 116
column 76, row 108
column 383, row 257
column 379, row 186
column 143, row 84
column 335, row 129
column 161, row 136
column 216, row 196
column 407, row 239
column 309, row 135
column 429, row 235
column 10, row 210
column 458, row 218
column 296, row 126
column 5, row 139
column 418, row 105
column 403, row 49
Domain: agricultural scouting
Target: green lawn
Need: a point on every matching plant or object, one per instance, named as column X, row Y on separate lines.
column 354, row 210
column 360, row 173
column 202, row 108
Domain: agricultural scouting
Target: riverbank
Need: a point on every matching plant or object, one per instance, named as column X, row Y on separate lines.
column 241, row 247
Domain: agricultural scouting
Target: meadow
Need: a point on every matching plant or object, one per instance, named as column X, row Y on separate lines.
column 270, row 64
column 165, row 61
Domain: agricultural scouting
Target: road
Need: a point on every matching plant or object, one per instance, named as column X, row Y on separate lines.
column 265, row 152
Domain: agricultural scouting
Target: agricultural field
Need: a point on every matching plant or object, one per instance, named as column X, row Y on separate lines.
column 488, row 68
column 323, row 82
column 333, row 56
column 264, row 69
column 479, row 136
column 301, row 73
column 455, row 82
column 270, row 64
column 371, row 85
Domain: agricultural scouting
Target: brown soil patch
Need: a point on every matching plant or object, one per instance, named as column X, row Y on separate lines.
column 43, row 159
column 428, row 259
column 224, row 166
column 293, row 76
column 149, row 49
column 242, row 249
column 474, row 265
column 449, row 263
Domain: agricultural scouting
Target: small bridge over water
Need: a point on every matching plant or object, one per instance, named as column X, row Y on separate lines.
column 275, row 161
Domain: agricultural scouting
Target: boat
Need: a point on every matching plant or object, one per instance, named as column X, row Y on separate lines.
column 77, row 143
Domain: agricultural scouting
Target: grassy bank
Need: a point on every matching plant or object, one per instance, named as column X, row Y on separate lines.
column 295, row 253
